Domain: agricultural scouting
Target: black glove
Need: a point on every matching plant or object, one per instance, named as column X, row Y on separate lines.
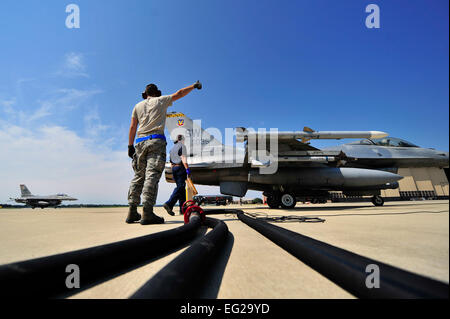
column 131, row 151
column 198, row 85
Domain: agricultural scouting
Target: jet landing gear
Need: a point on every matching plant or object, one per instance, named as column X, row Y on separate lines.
column 285, row 200
column 273, row 201
column 288, row 201
column 377, row 200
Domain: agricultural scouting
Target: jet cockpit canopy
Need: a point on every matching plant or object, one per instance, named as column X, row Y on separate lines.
column 386, row 141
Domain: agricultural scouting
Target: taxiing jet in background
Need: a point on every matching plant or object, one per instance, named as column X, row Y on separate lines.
column 40, row 201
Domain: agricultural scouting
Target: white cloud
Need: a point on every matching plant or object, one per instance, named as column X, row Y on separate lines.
column 53, row 159
column 71, row 98
column 73, row 66
column 74, row 61
column 42, row 111
column 7, row 105
column 59, row 100
column 93, row 123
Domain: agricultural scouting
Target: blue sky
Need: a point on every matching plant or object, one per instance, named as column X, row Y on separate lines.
column 283, row 64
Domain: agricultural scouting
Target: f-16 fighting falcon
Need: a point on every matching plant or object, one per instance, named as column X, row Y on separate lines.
column 303, row 172
column 40, row 201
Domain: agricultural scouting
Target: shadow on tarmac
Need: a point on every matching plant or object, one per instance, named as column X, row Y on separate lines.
column 109, row 276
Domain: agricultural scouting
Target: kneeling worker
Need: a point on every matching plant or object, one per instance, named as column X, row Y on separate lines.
column 180, row 171
column 149, row 156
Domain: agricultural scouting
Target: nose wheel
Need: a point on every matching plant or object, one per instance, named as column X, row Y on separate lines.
column 377, row 200
column 288, row 201
column 285, row 200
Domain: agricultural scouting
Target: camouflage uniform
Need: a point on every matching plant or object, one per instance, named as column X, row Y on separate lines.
column 148, row 165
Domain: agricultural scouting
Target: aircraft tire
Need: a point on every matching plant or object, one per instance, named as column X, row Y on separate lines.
column 288, row 201
column 273, row 202
column 377, row 200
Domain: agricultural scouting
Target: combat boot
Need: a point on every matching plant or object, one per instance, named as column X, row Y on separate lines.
column 148, row 217
column 169, row 210
column 133, row 215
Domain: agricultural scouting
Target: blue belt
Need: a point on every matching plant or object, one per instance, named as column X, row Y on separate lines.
column 150, row 137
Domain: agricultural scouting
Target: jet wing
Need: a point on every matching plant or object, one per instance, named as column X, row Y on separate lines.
column 242, row 134
column 298, row 140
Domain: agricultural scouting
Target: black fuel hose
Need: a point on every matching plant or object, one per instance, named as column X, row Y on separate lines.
column 183, row 276
column 218, row 211
column 347, row 269
column 45, row 277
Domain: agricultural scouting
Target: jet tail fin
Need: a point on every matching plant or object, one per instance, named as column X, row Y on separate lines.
column 197, row 140
column 25, row 191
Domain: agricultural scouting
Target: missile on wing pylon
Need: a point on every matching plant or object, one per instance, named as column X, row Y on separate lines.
column 305, row 135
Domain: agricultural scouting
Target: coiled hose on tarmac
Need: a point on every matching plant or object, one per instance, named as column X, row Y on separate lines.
column 347, row 269
column 182, row 276
column 45, row 277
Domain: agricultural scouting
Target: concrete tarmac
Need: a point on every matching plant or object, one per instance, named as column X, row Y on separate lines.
column 412, row 235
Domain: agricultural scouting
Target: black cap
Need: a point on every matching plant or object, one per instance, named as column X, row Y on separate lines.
column 151, row 90
column 178, row 139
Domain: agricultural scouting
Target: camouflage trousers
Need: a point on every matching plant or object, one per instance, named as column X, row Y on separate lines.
column 148, row 165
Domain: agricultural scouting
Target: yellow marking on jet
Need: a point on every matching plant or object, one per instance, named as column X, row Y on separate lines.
column 175, row 115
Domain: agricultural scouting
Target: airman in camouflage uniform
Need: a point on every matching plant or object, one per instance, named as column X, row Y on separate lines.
column 148, row 165
column 149, row 155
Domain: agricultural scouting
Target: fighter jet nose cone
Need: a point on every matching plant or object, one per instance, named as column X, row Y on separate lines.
column 397, row 177
column 360, row 177
column 388, row 177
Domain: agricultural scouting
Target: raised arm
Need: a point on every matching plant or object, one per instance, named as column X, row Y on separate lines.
column 185, row 91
